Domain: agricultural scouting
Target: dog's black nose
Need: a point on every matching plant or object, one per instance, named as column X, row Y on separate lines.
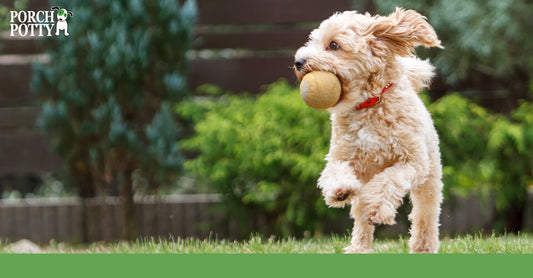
column 299, row 64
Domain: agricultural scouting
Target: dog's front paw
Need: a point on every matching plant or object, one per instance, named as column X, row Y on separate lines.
column 339, row 197
column 339, row 192
column 339, row 184
column 380, row 213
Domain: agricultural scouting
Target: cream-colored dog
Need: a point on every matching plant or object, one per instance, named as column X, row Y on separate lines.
column 383, row 142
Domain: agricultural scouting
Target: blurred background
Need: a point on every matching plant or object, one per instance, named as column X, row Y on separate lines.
column 176, row 118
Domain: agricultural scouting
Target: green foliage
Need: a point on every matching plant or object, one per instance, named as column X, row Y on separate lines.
column 486, row 153
column 463, row 129
column 510, row 145
column 5, row 16
column 264, row 154
column 108, row 90
column 487, row 36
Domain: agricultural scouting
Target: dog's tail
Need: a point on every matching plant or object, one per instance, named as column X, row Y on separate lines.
column 418, row 72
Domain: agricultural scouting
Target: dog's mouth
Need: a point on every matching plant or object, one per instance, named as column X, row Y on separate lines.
column 301, row 73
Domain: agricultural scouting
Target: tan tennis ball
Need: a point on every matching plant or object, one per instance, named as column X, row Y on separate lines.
column 320, row 89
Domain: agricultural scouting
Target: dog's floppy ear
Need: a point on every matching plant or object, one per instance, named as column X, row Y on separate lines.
column 70, row 13
column 54, row 8
column 399, row 32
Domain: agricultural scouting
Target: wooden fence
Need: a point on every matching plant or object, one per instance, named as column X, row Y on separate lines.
column 43, row 219
column 199, row 216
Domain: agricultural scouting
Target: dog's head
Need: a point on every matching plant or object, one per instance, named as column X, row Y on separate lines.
column 359, row 47
column 62, row 14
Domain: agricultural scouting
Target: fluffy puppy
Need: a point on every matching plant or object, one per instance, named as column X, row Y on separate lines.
column 382, row 150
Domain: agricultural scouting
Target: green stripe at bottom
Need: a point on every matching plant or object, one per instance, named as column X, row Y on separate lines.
column 236, row 265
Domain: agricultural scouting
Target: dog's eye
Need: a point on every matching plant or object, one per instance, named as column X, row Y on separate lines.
column 333, row 46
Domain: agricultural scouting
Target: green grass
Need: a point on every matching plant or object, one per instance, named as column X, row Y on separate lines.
column 465, row 244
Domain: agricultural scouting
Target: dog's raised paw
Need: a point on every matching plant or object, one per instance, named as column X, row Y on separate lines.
column 339, row 197
column 342, row 195
column 380, row 214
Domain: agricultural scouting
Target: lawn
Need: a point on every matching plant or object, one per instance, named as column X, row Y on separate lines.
column 464, row 244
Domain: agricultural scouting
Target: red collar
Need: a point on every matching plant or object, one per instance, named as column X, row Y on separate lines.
column 373, row 100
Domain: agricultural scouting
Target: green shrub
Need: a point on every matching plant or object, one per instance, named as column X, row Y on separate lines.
column 510, row 144
column 264, row 154
column 487, row 153
column 463, row 129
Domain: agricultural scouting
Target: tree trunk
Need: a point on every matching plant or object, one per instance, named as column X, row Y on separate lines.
column 81, row 176
column 129, row 229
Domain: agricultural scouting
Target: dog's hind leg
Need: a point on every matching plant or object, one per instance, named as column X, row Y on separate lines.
column 362, row 233
column 426, row 200
column 382, row 195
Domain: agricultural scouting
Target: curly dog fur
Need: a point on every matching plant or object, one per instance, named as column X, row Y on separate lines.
column 379, row 154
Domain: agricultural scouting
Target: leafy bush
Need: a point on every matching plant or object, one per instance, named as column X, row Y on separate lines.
column 108, row 93
column 510, row 144
column 486, row 153
column 463, row 129
column 265, row 155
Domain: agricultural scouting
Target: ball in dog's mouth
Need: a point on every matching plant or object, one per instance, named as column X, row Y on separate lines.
column 320, row 89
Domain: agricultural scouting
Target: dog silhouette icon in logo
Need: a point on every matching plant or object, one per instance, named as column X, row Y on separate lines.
column 62, row 24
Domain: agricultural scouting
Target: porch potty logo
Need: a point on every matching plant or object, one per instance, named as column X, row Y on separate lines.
column 39, row 23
